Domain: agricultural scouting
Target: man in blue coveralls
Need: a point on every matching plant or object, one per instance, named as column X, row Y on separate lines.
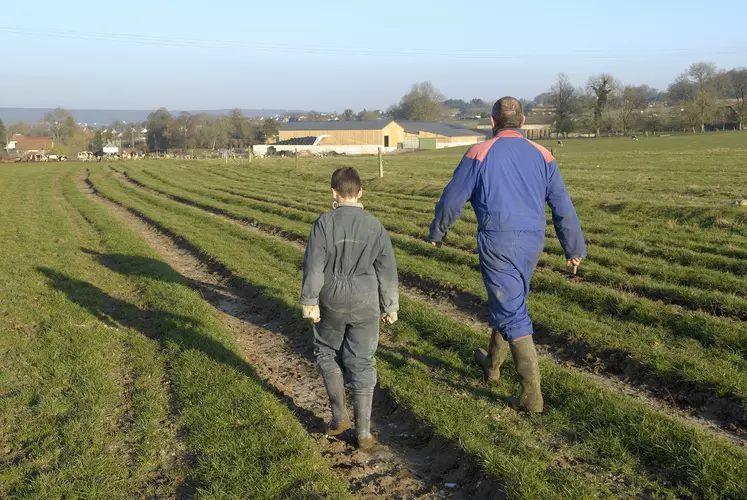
column 508, row 180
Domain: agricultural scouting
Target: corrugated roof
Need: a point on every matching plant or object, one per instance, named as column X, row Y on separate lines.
column 445, row 129
column 338, row 125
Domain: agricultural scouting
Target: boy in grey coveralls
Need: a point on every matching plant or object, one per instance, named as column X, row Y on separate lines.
column 349, row 282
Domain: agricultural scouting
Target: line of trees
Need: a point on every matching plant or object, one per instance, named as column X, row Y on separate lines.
column 701, row 96
column 188, row 131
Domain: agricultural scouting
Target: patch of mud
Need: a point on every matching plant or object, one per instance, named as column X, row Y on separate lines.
column 408, row 461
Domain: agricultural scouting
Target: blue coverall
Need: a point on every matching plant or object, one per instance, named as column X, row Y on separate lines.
column 508, row 180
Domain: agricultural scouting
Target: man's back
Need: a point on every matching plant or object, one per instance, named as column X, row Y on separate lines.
column 512, row 183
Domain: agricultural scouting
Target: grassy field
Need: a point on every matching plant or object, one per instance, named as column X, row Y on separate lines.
column 644, row 353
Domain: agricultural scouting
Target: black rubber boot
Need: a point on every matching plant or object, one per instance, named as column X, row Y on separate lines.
column 362, row 402
column 527, row 367
column 492, row 360
column 335, row 384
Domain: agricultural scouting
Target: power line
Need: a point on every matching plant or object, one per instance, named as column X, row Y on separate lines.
column 265, row 47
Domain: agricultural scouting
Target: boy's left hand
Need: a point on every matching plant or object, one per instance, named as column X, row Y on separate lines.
column 389, row 318
column 312, row 313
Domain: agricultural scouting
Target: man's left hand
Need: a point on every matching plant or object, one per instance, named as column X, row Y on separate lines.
column 573, row 264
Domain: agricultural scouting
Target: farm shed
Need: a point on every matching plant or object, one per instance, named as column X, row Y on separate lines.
column 424, row 135
column 385, row 133
column 29, row 144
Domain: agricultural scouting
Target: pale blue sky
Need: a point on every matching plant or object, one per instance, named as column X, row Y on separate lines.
column 331, row 55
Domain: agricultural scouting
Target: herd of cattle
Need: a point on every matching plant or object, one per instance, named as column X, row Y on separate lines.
column 88, row 156
column 101, row 156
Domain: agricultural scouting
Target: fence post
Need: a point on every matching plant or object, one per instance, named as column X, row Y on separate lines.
column 296, row 158
column 381, row 165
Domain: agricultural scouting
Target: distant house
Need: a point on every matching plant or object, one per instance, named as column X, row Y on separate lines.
column 111, row 149
column 29, row 144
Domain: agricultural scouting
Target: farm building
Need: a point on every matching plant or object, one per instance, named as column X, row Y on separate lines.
column 384, row 133
column 29, row 144
column 432, row 135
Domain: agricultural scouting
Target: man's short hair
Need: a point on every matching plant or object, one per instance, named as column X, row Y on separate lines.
column 347, row 182
column 508, row 113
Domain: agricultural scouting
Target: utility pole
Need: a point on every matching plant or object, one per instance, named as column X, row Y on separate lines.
column 381, row 165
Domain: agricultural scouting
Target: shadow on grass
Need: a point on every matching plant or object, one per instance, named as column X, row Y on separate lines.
column 164, row 327
column 390, row 419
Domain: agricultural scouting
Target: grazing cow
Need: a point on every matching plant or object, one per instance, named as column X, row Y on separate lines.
column 560, row 143
column 635, row 137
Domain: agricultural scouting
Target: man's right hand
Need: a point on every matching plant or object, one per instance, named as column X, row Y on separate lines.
column 312, row 313
column 573, row 264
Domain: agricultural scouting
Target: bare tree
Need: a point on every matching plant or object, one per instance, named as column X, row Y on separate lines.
column 738, row 92
column 423, row 102
column 629, row 104
column 563, row 99
column 694, row 89
column 60, row 123
column 601, row 87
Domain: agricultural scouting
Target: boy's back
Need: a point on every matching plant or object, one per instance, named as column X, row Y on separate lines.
column 353, row 251
column 349, row 279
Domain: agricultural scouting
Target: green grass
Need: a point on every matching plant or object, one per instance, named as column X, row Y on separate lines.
column 119, row 381
column 589, row 440
column 680, row 333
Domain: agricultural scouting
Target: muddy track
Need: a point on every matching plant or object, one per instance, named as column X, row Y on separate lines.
column 408, row 461
column 613, row 369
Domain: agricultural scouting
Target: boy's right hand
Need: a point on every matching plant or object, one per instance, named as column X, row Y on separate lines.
column 312, row 313
column 389, row 318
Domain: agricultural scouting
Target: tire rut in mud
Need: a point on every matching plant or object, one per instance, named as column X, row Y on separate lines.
column 408, row 461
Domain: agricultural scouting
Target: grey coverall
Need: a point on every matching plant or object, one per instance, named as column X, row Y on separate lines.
column 350, row 271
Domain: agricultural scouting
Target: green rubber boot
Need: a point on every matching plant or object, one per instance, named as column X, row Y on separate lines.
column 492, row 360
column 362, row 402
column 335, row 384
column 527, row 367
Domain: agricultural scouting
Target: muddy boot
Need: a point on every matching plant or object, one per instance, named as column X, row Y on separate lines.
column 335, row 385
column 362, row 401
column 527, row 367
column 492, row 360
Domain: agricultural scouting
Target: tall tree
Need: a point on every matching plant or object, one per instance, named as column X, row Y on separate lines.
column 159, row 124
column 738, row 92
column 694, row 90
column 628, row 107
column 21, row 128
column 3, row 135
column 601, row 87
column 98, row 141
column 60, row 124
column 422, row 103
column 652, row 122
column 271, row 129
column 239, row 129
column 348, row 115
column 563, row 98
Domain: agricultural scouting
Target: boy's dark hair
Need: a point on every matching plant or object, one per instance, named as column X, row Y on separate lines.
column 346, row 182
column 507, row 113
